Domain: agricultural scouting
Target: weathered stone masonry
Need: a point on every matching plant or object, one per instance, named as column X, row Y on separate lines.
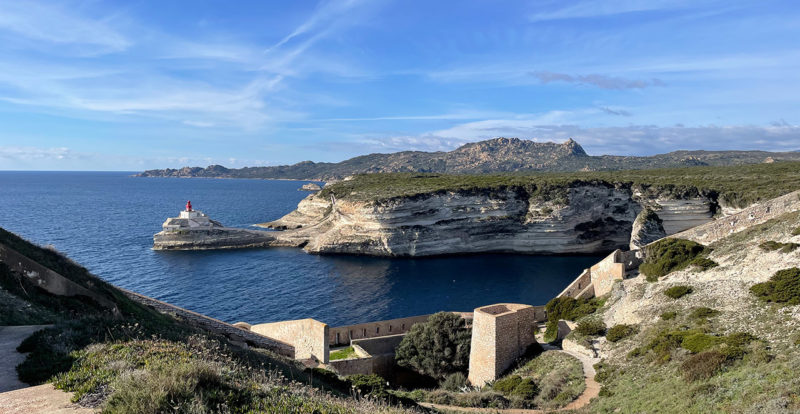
column 500, row 334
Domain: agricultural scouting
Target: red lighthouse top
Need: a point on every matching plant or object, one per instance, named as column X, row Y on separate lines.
column 189, row 205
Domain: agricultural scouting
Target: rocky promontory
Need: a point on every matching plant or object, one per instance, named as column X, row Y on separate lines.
column 193, row 230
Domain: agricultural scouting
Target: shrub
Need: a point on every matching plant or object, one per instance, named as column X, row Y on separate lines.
column 635, row 353
column 663, row 344
column 369, row 385
column 698, row 342
column 437, row 347
column 783, row 287
column 796, row 231
column 703, row 365
column 590, row 327
column 676, row 292
column 772, row 246
column 669, row 315
column 703, row 313
column 620, row 332
column 551, row 331
column 704, row 263
column 670, row 254
column 571, row 309
column 525, row 390
column 507, row 384
column 455, row 381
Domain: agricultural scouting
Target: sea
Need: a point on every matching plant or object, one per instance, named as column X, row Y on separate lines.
column 106, row 220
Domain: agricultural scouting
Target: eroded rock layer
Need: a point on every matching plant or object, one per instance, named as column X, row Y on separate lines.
column 592, row 218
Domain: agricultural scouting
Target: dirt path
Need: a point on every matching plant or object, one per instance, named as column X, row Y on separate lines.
column 16, row 397
column 10, row 338
column 592, row 390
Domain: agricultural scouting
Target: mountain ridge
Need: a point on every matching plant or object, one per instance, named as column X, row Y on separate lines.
column 489, row 156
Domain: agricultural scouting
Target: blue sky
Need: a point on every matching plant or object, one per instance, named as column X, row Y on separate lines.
column 94, row 85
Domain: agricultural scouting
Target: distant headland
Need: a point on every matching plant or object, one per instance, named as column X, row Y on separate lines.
column 491, row 156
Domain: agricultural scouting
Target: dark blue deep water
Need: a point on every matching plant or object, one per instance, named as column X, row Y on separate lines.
column 106, row 220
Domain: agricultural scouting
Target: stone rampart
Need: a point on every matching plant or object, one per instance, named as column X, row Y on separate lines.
column 753, row 215
column 605, row 272
column 214, row 325
column 342, row 335
column 578, row 286
column 309, row 337
column 46, row 278
column 500, row 334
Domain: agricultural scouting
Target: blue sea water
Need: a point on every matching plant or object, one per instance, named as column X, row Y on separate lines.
column 106, row 220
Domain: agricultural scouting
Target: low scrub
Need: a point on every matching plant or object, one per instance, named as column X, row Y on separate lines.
column 571, row 309
column 591, row 327
column 455, row 382
column 703, row 263
column 669, row 255
column 669, row 315
column 703, row 313
column 771, row 246
column 676, row 292
column 703, row 365
column 783, row 287
column 796, row 231
column 619, row 332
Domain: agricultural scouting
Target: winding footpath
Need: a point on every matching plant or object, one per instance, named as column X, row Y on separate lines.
column 16, row 397
column 592, row 390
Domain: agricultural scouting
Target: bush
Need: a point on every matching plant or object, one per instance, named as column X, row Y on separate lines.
column 369, row 385
column 783, row 287
column 620, row 332
column 704, row 263
column 437, row 347
column 670, row 254
column 590, row 327
column 703, row 365
column 676, row 292
column 551, row 331
column 772, row 246
column 796, row 231
column 698, row 342
column 455, row 381
column 571, row 309
column 507, row 384
column 525, row 390
column 703, row 313
column 669, row 315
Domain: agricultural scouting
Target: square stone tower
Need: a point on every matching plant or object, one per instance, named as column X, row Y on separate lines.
column 500, row 334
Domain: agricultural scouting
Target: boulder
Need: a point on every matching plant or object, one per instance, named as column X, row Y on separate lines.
column 647, row 228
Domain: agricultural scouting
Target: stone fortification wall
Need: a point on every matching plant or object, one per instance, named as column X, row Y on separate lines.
column 500, row 334
column 46, row 278
column 605, row 272
column 757, row 214
column 214, row 325
column 341, row 335
column 578, row 287
column 309, row 337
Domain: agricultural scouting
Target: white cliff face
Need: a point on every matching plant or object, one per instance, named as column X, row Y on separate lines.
column 679, row 214
column 595, row 219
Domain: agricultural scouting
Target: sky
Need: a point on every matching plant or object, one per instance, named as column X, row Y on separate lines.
column 96, row 85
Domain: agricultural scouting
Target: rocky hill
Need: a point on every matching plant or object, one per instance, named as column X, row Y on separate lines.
column 490, row 156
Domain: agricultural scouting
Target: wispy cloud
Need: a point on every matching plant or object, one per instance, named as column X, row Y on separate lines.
column 617, row 112
column 602, row 8
column 601, row 81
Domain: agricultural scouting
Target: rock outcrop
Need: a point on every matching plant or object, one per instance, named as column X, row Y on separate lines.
column 310, row 187
column 647, row 228
column 193, row 230
column 590, row 218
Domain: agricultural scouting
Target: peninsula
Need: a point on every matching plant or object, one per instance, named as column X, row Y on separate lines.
column 496, row 155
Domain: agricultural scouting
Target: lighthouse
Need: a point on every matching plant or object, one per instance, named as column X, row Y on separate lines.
column 190, row 218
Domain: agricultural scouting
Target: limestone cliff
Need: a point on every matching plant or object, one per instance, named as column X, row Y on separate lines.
column 586, row 218
column 647, row 228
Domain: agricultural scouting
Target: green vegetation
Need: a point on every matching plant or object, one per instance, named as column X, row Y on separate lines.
column 669, row 315
column 570, row 309
column 703, row 263
column 454, row 382
column 702, row 313
column 670, row 254
column 437, row 347
column 676, row 292
column 771, row 246
column 591, row 327
column 796, row 231
column 737, row 186
column 343, row 353
column 368, row 385
column 703, row 365
column 619, row 332
column 783, row 287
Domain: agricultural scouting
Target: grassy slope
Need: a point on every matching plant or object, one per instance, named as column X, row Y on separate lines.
column 763, row 379
column 141, row 361
column 738, row 185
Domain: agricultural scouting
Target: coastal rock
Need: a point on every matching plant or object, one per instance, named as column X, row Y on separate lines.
column 647, row 228
column 310, row 187
column 588, row 218
column 193, row 230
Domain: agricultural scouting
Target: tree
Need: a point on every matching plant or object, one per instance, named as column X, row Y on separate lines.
column 438, row 347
